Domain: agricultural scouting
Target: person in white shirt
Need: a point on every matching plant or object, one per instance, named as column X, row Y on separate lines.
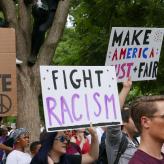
column 21, row 141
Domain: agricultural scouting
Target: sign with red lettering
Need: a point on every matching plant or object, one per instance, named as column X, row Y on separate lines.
column 75, row 96
column 135, row 52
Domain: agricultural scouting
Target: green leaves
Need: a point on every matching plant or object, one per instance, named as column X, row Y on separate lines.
column 87, row 42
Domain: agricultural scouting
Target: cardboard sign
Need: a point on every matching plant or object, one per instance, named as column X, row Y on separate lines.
column 135, row 52
column 8, row 96
column 75, row 96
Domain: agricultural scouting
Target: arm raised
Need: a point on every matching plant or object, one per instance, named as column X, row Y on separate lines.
column 94, row 149
column 124, row 92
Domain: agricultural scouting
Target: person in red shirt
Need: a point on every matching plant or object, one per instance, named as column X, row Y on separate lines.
column 148, row 115
column 81, row 140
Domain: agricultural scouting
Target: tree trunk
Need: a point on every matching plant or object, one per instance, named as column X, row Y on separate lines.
column 28, row 111
column 28, row 80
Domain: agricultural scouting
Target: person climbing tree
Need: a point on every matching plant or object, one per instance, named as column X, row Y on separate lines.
column 43, row 12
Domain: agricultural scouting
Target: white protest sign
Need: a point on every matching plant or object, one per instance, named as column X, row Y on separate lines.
column 135, row 52
column 75, row 96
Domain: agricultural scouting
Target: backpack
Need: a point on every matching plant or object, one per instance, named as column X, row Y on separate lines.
column 122, row 147
column 102, row 151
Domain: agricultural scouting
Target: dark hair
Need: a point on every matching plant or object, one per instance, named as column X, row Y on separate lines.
column 41, row 156
column 33, row 145
column 144, row 106
column 1, row 131
column 43, row 136
column 126, row 114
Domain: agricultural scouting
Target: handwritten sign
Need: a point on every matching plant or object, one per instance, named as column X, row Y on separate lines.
column 8, row 92
column 135, row 52
column 74, row 96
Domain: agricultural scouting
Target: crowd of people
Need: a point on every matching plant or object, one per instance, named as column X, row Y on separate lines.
column 138, row 140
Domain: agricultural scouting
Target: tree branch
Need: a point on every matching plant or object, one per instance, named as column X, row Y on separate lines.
column 54, row 35
column 8, row 8
column 24, row 18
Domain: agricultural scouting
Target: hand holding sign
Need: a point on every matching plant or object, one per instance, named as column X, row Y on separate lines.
column 125, row 91
column 127, row 83
column 94, row 149
column 92, row 130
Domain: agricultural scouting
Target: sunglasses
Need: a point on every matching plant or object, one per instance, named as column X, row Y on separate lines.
column 62, row 139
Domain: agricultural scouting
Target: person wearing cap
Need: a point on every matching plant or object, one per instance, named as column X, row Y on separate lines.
column 43, row 12
column 20, row 138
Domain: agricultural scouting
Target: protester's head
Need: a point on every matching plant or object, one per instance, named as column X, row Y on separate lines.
column 59, row 143
column 128, row 123
column 53, row 142
column 34, row 147
column 69, row 133
column 148, row 115
column 3, row 130
column 126, row 114
column 20, row 137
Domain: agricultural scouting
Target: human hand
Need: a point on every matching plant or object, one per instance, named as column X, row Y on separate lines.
column 127, row 83
column 92, row 130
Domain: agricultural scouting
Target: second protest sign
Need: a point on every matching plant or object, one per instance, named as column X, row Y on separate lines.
column 135, row 52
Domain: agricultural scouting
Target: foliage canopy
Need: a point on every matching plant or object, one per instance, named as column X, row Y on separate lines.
column 86, row 42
